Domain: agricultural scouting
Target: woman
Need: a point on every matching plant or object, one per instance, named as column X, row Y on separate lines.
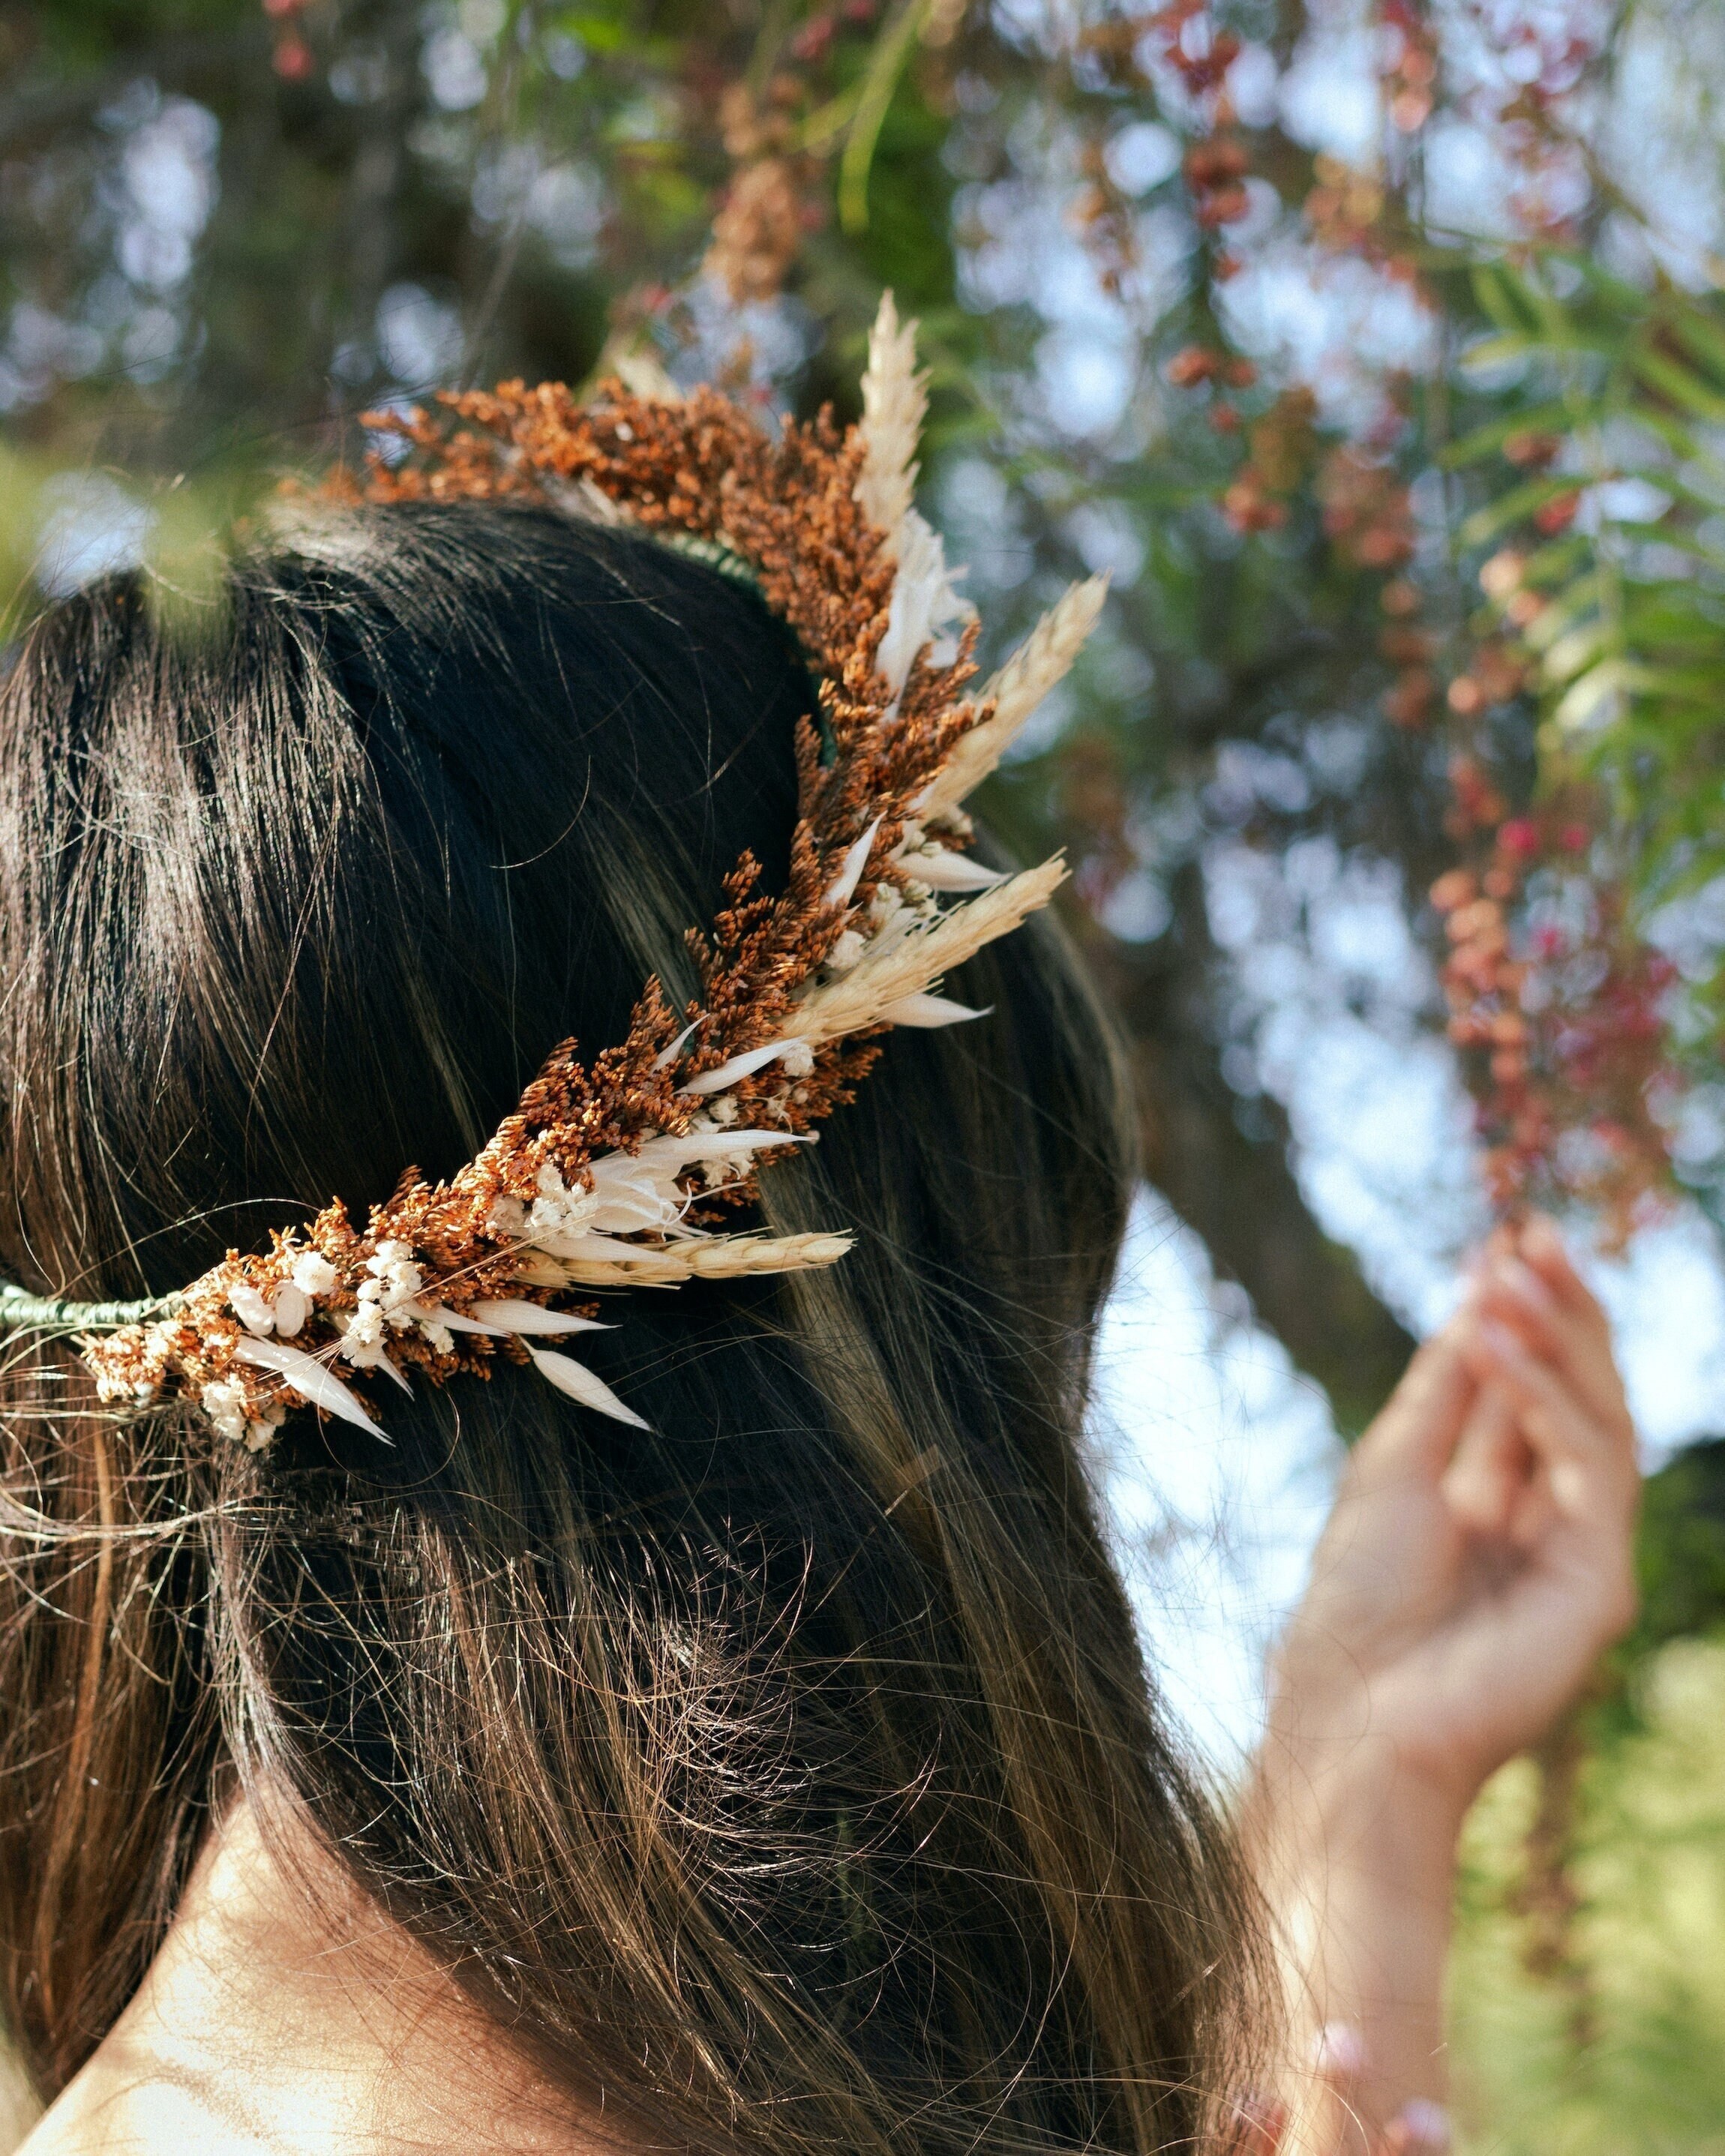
column 741, row 1737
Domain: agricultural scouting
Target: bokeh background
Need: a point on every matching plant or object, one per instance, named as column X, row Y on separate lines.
column 1376, row 349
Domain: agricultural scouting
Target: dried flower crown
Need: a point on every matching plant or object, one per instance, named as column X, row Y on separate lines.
column 615, row 1173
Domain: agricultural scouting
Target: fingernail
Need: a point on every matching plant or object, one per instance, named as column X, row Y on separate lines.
column 1339, row 2051
column 1425, row 2125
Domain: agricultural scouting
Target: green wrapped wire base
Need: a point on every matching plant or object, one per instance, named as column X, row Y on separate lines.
column 22, row 1312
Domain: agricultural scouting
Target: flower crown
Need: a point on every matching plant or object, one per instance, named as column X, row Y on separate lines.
column 619, row 1172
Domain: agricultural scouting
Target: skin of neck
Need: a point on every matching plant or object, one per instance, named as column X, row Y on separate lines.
column 286, row 2015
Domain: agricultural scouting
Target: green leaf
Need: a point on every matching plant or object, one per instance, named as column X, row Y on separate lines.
column 886, row 64
column 1680, row 384
column 1580, row 647
column 1581, row 703
column 1566, row 606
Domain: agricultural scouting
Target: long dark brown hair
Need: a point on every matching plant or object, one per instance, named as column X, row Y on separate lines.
column 785, row 1775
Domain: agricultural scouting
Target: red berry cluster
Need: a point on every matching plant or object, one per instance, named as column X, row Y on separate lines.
column 1555, row 1004
column 1366, row 510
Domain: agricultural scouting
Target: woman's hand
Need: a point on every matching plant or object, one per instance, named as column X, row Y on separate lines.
column 1479, row 1558
column 1478, row 1561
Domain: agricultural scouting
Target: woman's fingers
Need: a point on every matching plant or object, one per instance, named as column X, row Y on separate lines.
column 1489, row 1472
column 1590, row 1463
column 1512, row 1291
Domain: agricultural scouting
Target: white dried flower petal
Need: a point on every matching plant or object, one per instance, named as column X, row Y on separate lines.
column 924, row 602
column 843, row 885
column 457, row 1321
column 510, row 1314
column 727, row 1074
column 293, row 1306
column 938, row 870
column 250, row 1308
column 580, row 1383
column 927, row 1010
column 308, row 1378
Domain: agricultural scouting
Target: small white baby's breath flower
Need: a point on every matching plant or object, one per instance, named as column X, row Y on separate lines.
column 722, row 1113
column 223, row 1402
column 262, row 1428
column 439, row 1337
column 846, row 952
column 313, row 1274
column 797, row 1060
column 362, row 1335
